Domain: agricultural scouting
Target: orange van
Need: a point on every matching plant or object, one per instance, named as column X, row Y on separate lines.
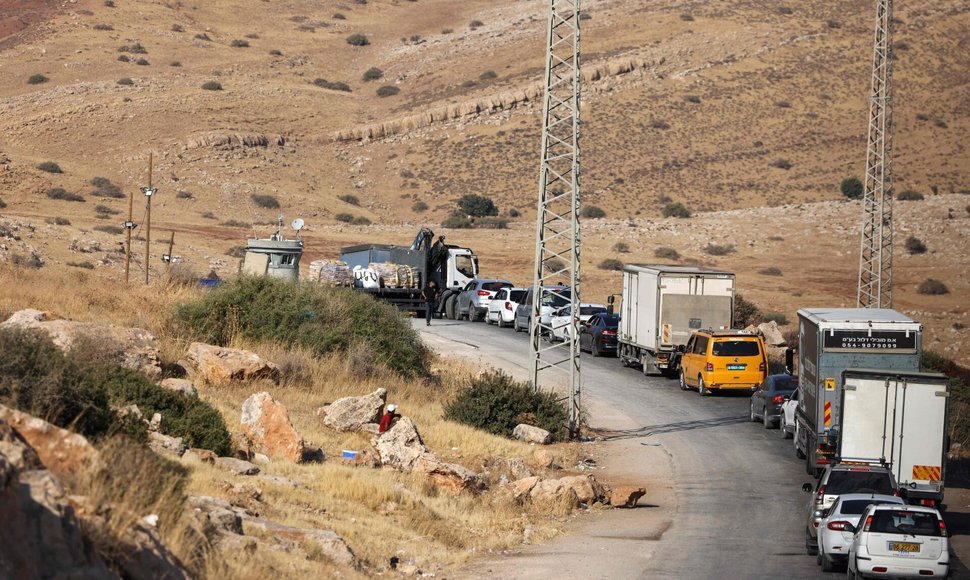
column 723, row 359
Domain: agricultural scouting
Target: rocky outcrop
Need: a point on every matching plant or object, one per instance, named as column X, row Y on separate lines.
column 626, row 496
column 773, row 337
column 175, row 447
column 59, row 450
column 324, row 542
column 352, row 413
column 571, row 490
column 180, row 386
column 400, row 446
column 531, row 434
column 218, row 366
column 451, row 476
column 268, row 426
column 237, row 466
column 131, row 348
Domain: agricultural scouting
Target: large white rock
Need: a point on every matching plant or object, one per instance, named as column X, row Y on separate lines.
column 401, row 445
column 268, row 426
column 219, row 366
column 532, row 434
column 352, row 413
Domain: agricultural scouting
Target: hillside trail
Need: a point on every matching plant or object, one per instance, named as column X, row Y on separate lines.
column 614, row 543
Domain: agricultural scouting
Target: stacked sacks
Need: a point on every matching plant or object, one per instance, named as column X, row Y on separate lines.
column 332, row 272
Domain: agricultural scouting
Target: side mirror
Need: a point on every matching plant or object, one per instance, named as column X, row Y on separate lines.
column 681, row 348
column 847, row 527
column 807, row 488
column 609, row 307
column 787, row 398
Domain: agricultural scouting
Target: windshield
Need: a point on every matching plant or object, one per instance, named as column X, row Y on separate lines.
column 591, row 310
column 465, row 265
column 786, row 383
column 611, row 320
column 555, row 298
column 858, row 482
column 854, row 507
column 493, row 286
column 905, row 522
column 517, row 295
column 735, row 348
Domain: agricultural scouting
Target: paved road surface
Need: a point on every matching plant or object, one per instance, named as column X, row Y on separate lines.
column 739, row 511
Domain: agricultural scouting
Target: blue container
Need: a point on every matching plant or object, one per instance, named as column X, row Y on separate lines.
column 348, row 454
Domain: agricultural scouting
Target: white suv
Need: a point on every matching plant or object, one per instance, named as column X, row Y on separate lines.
column 473, row 301
column 893, row 541
column 833, row 539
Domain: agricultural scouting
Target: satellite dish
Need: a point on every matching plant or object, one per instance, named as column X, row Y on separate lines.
column 297, row 224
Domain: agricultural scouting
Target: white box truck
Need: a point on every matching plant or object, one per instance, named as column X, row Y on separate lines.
column 897, row 419
column 662, row 305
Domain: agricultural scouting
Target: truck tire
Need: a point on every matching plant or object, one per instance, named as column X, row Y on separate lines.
column 450, row 307
column 798, row 452
column 809, row 461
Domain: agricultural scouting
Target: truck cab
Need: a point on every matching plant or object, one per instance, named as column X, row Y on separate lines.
column 460, row 268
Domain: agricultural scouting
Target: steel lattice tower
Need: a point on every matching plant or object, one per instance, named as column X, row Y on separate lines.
column 557, row 221
column 876, row 256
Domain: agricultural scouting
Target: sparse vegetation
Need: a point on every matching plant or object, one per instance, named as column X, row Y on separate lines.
column 419, row 206
column 203, row 36
column 142, row 62
column 719, row 249
column 126, row 81
column 182, row 194
column 665, row 253
column 909, row 195
column 265, row 201
column 475, row 24
column 915, row 246
column 103, row 27
column 113, row 230
column 852, row 188
column 348, row 198
column 234, row 224
column 660, row 124
column 333, row 86
column 770, row 271
column 136, row 48
column 124, row 58
column 37, row 79
column 621, row 247
column 211, row 86
column 104, row 188
column 786, row 10
column 276, row 52
column 932, row 287
column 745, row 313
column 3, row 204
column 686, row 17
column 496, row 403
column 610, row 264
column 105, row 209
column 676, row 209
column 338, row 16
column 488, row 75
column 357, row 40
column 456, row 222
column 59, row 193
column 177, row 28
column 779, row 318
column 477, row 205
column 591, row 212
column 388, row 91
column 692, row 99
column 57, row 221
column 50, row 167
column 514, row 213
column 85, row 265
column 30, row 261
column 372, row 74
column 781, row 164
column 239, row 43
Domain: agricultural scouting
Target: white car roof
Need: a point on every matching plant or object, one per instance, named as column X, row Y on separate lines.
column 909, row 508
column 875, row 497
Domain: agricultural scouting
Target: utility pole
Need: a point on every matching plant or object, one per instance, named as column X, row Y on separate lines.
column 149, row 192
column 167, row 258
column 128, row 225
column 557, row 219
column 876, row 255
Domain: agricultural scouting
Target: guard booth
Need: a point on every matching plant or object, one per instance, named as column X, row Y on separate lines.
column 275, row 257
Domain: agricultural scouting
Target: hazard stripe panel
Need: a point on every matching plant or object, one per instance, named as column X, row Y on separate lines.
column 828, row 414
column 927, row 472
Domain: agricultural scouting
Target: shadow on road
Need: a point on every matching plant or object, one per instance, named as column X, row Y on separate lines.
column 646, row 431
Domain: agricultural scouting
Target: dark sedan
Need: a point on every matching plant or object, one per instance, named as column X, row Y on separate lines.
column 598, row 334
column 766, row 401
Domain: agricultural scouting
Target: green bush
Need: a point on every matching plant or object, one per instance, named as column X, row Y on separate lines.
column 719, row 249
column 344, row 217
column 746, row 313
column 37, row 79
column 781, row 164
column 496, row 403
column 915, row 245
column 333, row 86
column 388, row 91
column 212, row 86
column 62, row 194
column 610, row 264
column 319, row 319
column 477, row 205
column 50, row 167
column 104, row 188
column 419, row 206
column 932, row 287
column 910, row 195
column 361, row 221
column 770, row 271
column 852, row 188
column 456, row 222
column 778, row 317
column 621, row 247
column 357, row 40
column 592, row 212
column 677, row 210
column 665, row 253
column 348, row 198
column 959, row 407
column 514, row 213
column 372, row 74
column 265, row 201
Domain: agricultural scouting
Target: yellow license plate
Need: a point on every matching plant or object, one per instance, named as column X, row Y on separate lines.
column 903, row 547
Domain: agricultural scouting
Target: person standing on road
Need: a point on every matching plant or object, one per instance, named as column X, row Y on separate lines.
column 387, row 419
column 430, row 295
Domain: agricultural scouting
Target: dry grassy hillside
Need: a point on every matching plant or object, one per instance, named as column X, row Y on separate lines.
column 695, row 101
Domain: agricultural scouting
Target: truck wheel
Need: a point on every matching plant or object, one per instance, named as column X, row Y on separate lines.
column 683, row 381
column 809, row 462
column 701, row 389
column 450, row 307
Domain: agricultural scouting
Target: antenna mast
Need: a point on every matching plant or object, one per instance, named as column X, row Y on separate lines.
column 557, row 220
column 876, row 256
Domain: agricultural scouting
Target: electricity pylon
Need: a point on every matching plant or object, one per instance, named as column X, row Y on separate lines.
column 876, row 256
column 557, row 222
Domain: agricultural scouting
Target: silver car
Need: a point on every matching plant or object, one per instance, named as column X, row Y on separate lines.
column 474, row 299
column 558, row 297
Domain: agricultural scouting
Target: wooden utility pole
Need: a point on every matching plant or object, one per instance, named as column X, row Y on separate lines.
column 128, row 225
column 171, row 243
column 149, row 192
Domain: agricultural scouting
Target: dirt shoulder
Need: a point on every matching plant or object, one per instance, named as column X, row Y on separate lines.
column 613, row 543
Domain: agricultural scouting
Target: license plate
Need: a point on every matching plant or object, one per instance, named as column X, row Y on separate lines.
column 903, row 547
column 736, row 367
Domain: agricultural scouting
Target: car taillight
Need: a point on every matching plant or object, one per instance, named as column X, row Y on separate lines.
column 609, row 333
column 761, row 367
column 821, row 492
column 926, row 502
column 896, row 492
column 508, row 306
column 837, row 526
column 865, row 528
column 778, row 399
column 484, row 293
column 710, row 367
column 942, row 529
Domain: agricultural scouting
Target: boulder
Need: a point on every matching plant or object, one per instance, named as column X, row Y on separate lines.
column 587, row 489
column 218, row 366
column 400, row 446
column 451, row 476
column 268, row 426
column 214, row 516
column 165, row 445
column 324, row 542
column 20, row 455
column 521, row 488
column 772, row 336
column 59, row 450
column 555, row 493
column 544, row 458
column 626, row 496
column 145, row 556
column 282, row 481
column 531, row 434
column 237, row 466
column 245, row 496
column 180, row 386
column 132, row 348
column 352, row 413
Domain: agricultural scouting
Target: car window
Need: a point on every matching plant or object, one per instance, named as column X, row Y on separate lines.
column 594, row 320
column 516, row 295
column 470, row 286
column 556, row 299
column 785, row 384
column 905, row 522
column 854, row 507
column 464, row 265
column 733, row 347
column 493, row 286
column 700, row 345
column 840, row 482
column 587, row 310
column 501, row 294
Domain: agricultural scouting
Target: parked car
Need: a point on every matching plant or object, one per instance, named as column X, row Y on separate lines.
column 598, row 334
column 562, row 321
column 837, row 479
column 501, row 310
column 559, row 297
column 723, row 359
column 833, row 538
column 474, row 299
column 767, row 400
column 894, row 541
column 786, row 418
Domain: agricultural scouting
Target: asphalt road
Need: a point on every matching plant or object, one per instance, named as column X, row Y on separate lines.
column 740, row 511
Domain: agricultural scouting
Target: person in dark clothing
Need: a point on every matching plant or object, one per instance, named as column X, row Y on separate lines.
column 388, row 418
column 430, row 295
